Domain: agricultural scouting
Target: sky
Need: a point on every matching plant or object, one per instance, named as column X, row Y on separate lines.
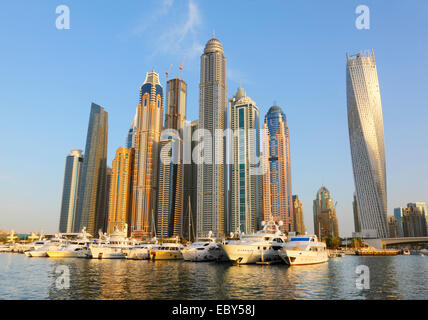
column 289, row 52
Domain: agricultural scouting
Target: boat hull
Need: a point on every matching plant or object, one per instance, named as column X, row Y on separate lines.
column 246, row 254
column 302, row 257
column 107, row 253
column 165, row 255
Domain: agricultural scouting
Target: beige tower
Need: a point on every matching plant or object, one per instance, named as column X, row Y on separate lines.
column 146, row 163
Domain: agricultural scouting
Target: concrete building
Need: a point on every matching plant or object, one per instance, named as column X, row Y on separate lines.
column 325, row 220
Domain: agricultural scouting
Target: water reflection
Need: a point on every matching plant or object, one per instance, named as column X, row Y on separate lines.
column 399, row 277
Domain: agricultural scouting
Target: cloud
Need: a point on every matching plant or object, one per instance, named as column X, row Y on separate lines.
column 150, row 18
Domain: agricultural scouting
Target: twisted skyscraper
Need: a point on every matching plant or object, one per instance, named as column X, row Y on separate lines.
column 367, row 141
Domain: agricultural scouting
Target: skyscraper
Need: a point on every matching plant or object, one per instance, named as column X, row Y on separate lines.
column 365, row 123
column 190, row 182
column 130, row 139
column 398, row 215
column 120, row 205
column 245, row 182
column 146, row 162
column 211, row 199
column 415, row 220
column 73, row 168
column 298, row 215
column 325, row 220
column 171, row 179
column 393, row 230
column 357, row 221
column 277, row 200
column 92, row 190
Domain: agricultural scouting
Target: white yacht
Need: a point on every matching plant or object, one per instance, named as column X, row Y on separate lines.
column 43, row 247
column 112, row 247
column 6, row 248
column 75, row 248
column 304, row 249
column 140, row 251
column 259, row 247
column 204, row 249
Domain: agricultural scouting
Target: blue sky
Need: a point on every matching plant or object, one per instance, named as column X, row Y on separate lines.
column 291, row 52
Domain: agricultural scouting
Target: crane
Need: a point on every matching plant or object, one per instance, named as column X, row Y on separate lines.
column 181, row 68
column 167, row 72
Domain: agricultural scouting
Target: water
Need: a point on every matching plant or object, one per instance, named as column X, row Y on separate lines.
column 396, row 277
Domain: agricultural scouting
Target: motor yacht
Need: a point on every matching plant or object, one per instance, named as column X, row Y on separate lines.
column 168, row 249
column 203, row 249
column 304, row 249
column 111, row 247
column 6, row 248
column 259, row 247
column 75, row 248
column 140, row 251
column 43, row 247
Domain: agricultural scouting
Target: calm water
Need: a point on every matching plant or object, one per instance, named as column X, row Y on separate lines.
column 397, row 277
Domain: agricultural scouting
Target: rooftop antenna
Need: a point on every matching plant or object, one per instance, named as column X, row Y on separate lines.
column 181, row 68
column 213, row 33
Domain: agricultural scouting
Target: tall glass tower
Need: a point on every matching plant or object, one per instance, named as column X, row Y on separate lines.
column 245, row 183
column 171, row 179
column 277, row 197
column 73, row 168
column 92, row 209
column 211, row 200
column 146, row 162
column 365, row 123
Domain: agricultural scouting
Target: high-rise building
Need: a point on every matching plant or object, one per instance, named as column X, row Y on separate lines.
column 366, row 137
column 120, row 205
column 398, row 215
column 146, row 162
column 245, row 184
column 298, row 215
column 130, row 139
column 415, row 220
column 92, row 190
column 171, row 179
column 190, row 181
column 393, row 230
column 357, row 220
column 325, row 220
column 73, row 168
column 211, row 201
column 277, row 196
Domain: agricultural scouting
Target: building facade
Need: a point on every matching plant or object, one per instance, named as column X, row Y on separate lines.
column 211, row 199
column 393, row 230
column 146, row 160
column 366, row 137
column 70, row 191
column 245, row 184
column 415, row 220
column 92, row 209
column 325, row 220
column 130, row 139
column 398, row 215
column 171, row 172
column 298, row 215
column 190, row 181
column 120, row 199
column 277, row 196
column 357, row 220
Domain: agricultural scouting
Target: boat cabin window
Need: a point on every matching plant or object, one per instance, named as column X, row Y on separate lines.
column 279, row 240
